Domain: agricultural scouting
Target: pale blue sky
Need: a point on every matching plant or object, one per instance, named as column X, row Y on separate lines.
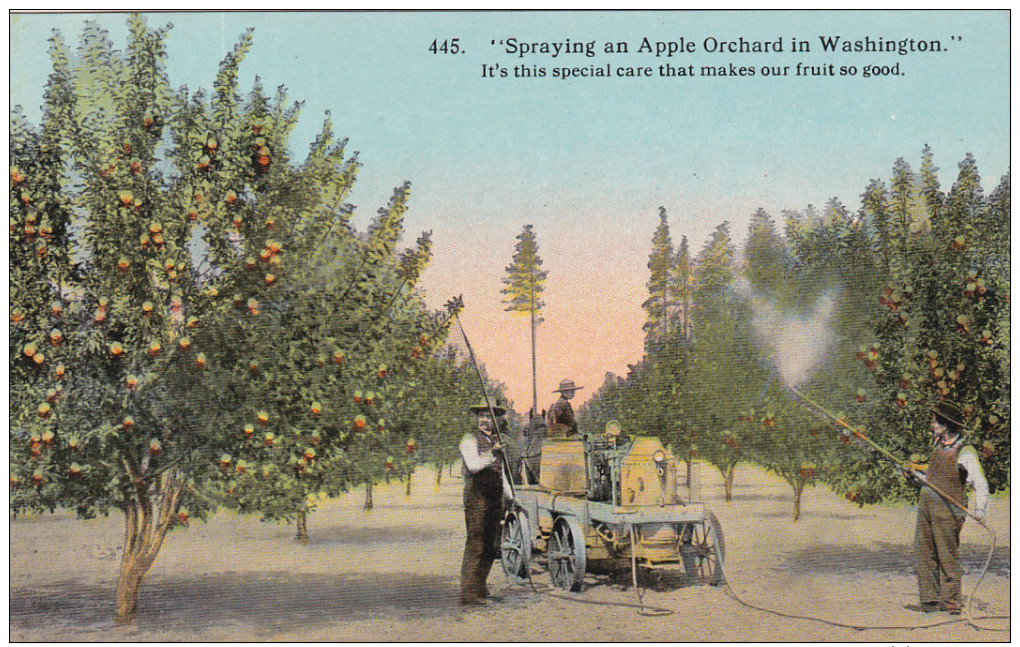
column 589, row 161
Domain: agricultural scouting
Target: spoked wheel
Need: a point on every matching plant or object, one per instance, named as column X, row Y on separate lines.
column 567, row 554
column 515, row 547
column 702, row 549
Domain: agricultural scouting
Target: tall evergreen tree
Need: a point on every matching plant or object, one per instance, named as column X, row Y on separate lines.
column 660, row 262
column 524, row 284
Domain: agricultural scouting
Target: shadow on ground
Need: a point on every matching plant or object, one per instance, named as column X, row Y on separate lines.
column 272, row 602
column 886, row 558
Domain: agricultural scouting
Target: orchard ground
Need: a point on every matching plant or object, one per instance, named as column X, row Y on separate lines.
column 391, row 574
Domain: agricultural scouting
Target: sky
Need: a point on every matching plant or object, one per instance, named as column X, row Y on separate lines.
column 589, row 160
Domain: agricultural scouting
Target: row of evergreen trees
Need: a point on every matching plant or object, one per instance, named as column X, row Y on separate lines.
column 875, row 315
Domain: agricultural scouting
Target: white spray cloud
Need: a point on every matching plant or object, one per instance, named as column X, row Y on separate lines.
column 799, row 343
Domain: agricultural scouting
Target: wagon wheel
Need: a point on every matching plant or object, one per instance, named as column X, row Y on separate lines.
column 702, row 549
column 567, row 554
column 515, row 547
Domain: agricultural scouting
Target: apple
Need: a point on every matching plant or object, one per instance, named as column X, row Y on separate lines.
column 74, row 470
column 46, row 231
column 184, row 343
column 338, row 356
column 316, row 408
column 128, row 423
column 225, row 460
column 249, row 263
column 357, row 396
column 411, row 443
column 270, row 222
column 316, row 437
column 270, row 279
column 249, row 429
column 59, row 371
column 56, row 308
column 132, row 381
column 370, row 397
column 144, row 241
column 265, row 255
column 262, row 417
column 309, row 455
column 35, row 448
column 212, row 144
column 16, row 175
column 37, row 477
column 807, row 470
column 963, row 321
column 30, row 349
column 123, row 263
column 147, row 308
column 380, row 424
column 230, row 198
column 275, row 261
column 986, row 337
column 269, row 438
column 862, row 395
column 906, row 380
column 15, row 481
column 155, row 447
column 126, row 198
column 242, row 466
column 193, row 322
column 901, row 399
column 182, row 517
column 38, row 358
column 29, row 231
column 200, row 360
column 56, row 337
column 959, row 243
column 382, row 371
column 203, row 163
column 253, row 366
column 389, row 463
column 253, row 306
column 44, row 410
column 73, row 443
column 52, row 395
column 155, row 348
column 359, row 422
column 136, row 167
column 40, row 249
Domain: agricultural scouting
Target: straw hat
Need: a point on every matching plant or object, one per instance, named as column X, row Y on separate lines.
column 567, row 385
column 482, row 407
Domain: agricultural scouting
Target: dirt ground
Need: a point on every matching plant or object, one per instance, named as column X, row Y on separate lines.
column 391, row 574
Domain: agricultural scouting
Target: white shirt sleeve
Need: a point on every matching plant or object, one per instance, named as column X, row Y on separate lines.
column 975, row 477
column 474, row 460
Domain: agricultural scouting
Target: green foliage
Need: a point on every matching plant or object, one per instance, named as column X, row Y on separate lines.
column 525, row 279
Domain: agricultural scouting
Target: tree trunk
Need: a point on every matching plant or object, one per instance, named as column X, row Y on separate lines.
column 368, row 495
column 797, row 489
column 688, row 477
column 439, row 475
column 145, row 528
column 407, row 490
column 728, row 481
column 302, row 526
column 534, row 370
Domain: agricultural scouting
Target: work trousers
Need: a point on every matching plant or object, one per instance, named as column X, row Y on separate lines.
column 483, row 515
column 937, row 550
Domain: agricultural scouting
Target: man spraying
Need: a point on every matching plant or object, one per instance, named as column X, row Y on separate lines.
column 953, row 466
column 485, row 487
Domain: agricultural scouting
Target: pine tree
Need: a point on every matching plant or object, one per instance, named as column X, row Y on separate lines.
column 660, row 261
column 524, row 284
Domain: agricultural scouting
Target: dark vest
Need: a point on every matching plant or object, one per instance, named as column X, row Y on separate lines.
column 485, row 443
column 944, row 474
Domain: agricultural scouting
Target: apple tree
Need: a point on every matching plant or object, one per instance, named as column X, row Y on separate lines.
column 158, row 238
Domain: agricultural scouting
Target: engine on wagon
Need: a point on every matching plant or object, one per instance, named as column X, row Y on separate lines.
column 606, row 499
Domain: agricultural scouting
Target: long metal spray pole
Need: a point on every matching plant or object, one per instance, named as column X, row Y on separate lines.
column 882, row 450
column 505, row 463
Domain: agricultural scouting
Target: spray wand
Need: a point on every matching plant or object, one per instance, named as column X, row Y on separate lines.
column 454, row 306
column 860, row 435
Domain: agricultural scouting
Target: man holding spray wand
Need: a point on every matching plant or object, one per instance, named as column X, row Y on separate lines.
column 952, row 466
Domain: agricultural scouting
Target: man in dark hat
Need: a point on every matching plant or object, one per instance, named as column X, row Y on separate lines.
column 952, row 467
column 484, row 489
column 561, row 415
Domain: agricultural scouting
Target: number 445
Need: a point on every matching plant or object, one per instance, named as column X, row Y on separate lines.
column 446, row 46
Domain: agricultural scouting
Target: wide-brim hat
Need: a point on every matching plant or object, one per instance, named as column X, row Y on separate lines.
column 567, row 385
column 483, row 407
column 947, row 412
